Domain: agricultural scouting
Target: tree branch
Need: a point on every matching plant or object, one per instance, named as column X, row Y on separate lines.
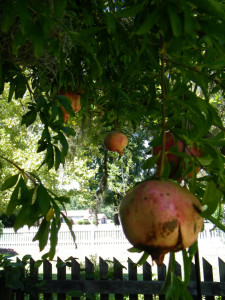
column 163, row 88
column 194, row 69
column 31, row 178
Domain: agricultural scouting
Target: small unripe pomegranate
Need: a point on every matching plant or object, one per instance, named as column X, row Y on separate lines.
column 116, row 141
column 75, row 103
column 160, row 216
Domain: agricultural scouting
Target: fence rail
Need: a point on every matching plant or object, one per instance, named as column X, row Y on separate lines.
column 86, row 235
column 110, row 278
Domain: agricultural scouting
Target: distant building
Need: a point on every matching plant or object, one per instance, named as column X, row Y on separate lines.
column 85, row 216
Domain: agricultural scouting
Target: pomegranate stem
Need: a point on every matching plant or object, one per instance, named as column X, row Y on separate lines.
column 163, row 88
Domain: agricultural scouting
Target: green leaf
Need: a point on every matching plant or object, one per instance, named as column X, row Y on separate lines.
column 168, row 279
column 14, row 200
column 134, row 250
column 150, row 162
column 188, row 21
column 63, row 142
column 46, row 134
column 29, row 117
column 59, row 7
column 37, row 38
column 187, row 267
column 24, row 192
column 25, row 15
column 1, row 78
column 69, row 131
column 42, row 146
column 18, row 41
column 20, row 85
column 185, row 295
column 150, row 20
column 56, row 210
column 21, row 217
column 10, row 182
column 38, row 263
column 131, row 11
column 53, row 239
column 166, row 170
column 42, row 234
column 211, row 7
column 216, row 222
column 63, row 199
column 66, row 103
column 43, row 198
column 58, row 158
column 8, row 16
column 143, row 259
column 70, row 226
column 26, row 257
column 11, row 90
column 50, row 156
column 174, row 291
column 175, row 20
column 211, row 198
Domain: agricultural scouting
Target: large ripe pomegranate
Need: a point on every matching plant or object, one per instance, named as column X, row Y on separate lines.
column 75, row 103
column 160, row 216
column 116, row 141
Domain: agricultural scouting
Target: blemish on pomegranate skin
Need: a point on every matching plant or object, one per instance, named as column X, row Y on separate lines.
column 169, row 227
column 168, row 194
column 161, row 194
column 150, row 237
column 195, row 228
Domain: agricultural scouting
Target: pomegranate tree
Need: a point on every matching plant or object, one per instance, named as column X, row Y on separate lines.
column 160, row 216
column 116, row 141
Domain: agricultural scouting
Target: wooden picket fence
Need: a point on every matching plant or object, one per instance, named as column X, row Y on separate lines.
column 110, row 278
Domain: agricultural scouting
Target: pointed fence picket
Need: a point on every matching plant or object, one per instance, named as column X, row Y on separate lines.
column 112, row 277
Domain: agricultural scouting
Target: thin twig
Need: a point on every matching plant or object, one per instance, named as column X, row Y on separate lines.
column 163, row 98
column 194, row 69
column 32, row 179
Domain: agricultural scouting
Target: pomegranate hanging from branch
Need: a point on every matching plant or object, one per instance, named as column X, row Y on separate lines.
column 116, row 141
column 160, row 216
column 75, row 103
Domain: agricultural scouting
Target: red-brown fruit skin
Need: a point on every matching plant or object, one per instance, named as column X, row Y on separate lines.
column 175, row 160
column 116, row 141
column 170, row 142
column 159, row 217
column 75, row 103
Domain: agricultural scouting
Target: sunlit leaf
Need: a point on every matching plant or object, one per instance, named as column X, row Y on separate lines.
column 14, row 200
column 10, row 182
column 43, row 198
column 211, row 198
column 42, row 234
column 53, row 239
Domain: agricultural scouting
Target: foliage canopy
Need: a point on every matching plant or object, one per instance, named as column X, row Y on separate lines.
column 147, row 66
